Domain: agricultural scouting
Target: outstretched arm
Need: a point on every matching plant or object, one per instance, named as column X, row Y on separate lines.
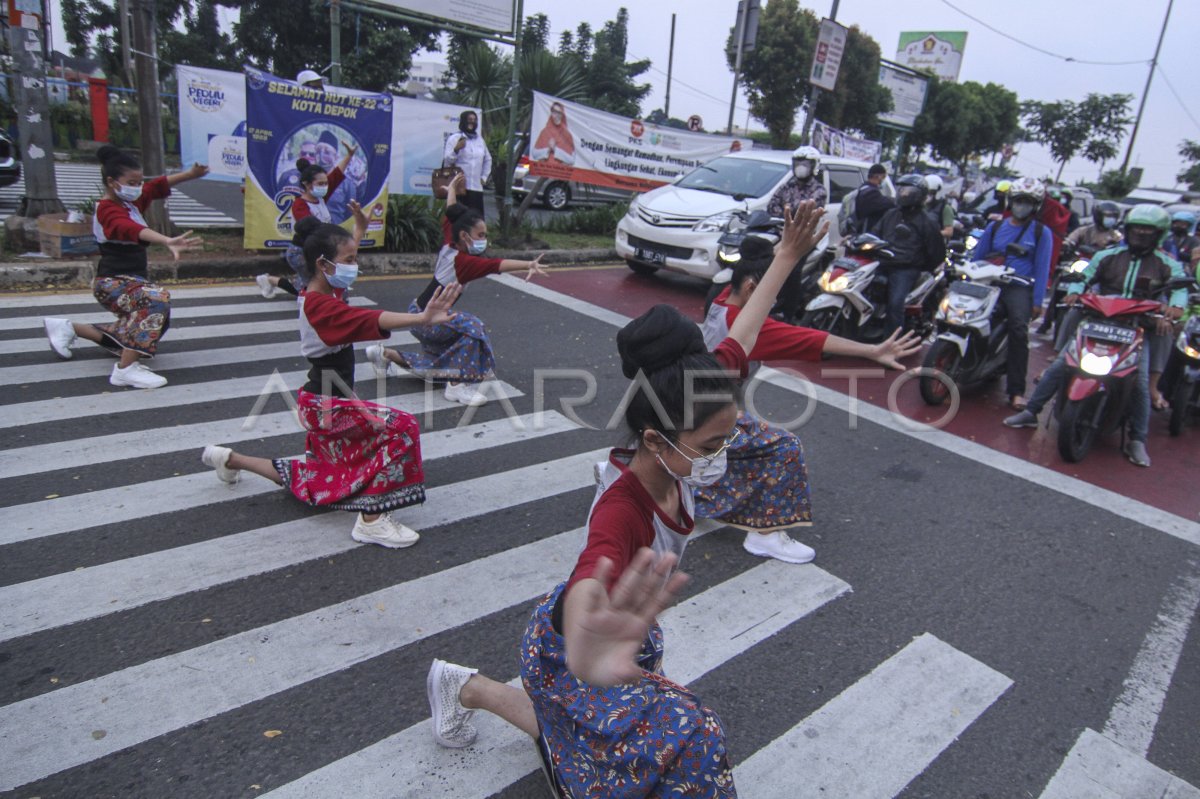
column 530, row 268
column 192, row 173
column 360, row 220
column 437, row 311
column 886, row 353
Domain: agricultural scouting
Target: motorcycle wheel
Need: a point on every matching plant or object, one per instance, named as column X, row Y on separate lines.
column 1180, row 400
column 822, row 319
column 1079, row 425
column 945, row 358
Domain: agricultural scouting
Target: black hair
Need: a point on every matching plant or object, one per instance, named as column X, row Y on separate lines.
column 667, row 349
column 303, row 229
column 462, row 220
column 462, row 120
column 323, row 242
column 876, row 169
column 757, row 254
column 114, row 162
column 308, row 171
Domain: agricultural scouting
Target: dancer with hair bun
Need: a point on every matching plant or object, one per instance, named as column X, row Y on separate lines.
column 122, row 284
column 316, row 184
column 594, row 697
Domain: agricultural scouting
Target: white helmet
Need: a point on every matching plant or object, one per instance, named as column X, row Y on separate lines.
column 807, row 153
column 933, row 184
column 1031, row 188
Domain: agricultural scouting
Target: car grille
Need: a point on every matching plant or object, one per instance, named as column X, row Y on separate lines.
column 683, row 253
column 667, row 220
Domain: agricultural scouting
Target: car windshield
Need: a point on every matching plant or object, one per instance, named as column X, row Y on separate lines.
column 737, row 177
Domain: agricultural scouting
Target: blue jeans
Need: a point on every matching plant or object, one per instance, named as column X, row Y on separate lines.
column 1139, row 403
column 900, row 283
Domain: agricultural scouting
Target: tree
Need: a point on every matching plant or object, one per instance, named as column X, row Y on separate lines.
column 1092, row 128
column 964, row 121
column 858, row 99
column 610, row 78
column 1190, row 150
column 775, row 82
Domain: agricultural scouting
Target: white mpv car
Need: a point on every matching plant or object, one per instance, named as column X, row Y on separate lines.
column 676, row 227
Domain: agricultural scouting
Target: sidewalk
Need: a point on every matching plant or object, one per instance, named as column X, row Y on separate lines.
column 40, row 274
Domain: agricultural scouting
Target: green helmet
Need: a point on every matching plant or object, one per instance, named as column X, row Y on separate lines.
column 1141, row 242
column 1149, row 215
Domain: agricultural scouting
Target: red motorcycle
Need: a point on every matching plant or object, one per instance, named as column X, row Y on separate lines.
column 1103, row 364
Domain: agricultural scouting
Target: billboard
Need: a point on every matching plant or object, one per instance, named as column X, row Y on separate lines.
column 827, row 55
column 488, row 15
column 939, row 52
column 908, row 94
column 576, row 142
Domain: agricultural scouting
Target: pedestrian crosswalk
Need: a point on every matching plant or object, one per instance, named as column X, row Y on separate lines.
column 166, row 634
column 80, row 183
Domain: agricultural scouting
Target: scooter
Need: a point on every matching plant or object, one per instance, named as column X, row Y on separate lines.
column 971, row 346
column 853, row 302
column 1183, row 370
column 1103, row 363
column 1068, row 279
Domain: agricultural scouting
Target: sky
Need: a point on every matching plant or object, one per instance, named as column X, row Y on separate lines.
column 1099, row 30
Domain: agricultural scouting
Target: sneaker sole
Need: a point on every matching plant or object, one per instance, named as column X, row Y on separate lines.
column 125, row 384
column 65, row 356
column 1022, row 425
column 435, row 706
column 773, row 556
column 362, row 539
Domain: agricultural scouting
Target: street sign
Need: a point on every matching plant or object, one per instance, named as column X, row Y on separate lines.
column 695, row 123
column 827, row 57
column 908, row 89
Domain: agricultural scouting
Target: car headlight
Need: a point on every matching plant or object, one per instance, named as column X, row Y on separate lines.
column 1078, row 266
column 633, row 208
column 1093, row 364
column 713, row 223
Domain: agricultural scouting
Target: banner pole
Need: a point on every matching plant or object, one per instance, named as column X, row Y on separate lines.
column 510, row 154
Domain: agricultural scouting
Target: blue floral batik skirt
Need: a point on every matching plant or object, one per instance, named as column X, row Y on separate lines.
column 649, row 739
column 458, row 351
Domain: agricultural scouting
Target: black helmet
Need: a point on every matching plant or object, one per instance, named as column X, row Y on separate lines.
column 911, row 190
column 1106, row 209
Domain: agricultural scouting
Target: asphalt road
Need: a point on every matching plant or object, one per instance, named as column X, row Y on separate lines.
column 970, row 628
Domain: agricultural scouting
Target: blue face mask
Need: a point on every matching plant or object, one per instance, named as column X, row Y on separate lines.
column 343, row 275
column 478, row 246
column 320, row 191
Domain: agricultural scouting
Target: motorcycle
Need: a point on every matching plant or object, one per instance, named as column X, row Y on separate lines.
column 1183, row 370
column 853, row 302
column 760, row 223
column 1068, row 279
column 971, row 346
column 1103, row 363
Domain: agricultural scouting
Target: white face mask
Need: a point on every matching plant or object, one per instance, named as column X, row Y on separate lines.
column 478, row 246
column 706, row 469
column 803, row 170
column 128, row 193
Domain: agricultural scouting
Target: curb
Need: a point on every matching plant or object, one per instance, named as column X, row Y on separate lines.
column 34, row 275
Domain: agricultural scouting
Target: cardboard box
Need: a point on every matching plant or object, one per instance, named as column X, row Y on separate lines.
column 62, row 238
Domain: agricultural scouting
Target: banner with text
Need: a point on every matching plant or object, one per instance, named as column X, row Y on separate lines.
column 908, row 91
column 212, row 121
column 841, row 144
column 285, row 121
column 939, row 52
column 576, row 142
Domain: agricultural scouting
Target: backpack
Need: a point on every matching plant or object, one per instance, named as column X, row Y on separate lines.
column 847, row 217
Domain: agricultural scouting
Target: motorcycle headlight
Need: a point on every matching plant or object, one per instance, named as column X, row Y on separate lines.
column 728, row 255
column 1098, row 365
column 971, row 242
column 713, row 223
column 1186, row 347
column 839, row 283
column 1078, row 266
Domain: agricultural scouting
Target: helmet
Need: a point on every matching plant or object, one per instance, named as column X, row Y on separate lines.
column 911, row 190
column 1003, row 186
column 307, row 76
column 807, row 153
column 1145, row 227
column 1030, row 188
column 1184, row 216
column 1070, row 195
column 1106, row 210
column 934, row 184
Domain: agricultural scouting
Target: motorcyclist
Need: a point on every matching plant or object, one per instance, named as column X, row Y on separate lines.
column 939, row 208
column 1068, row 197
column 1103, row 232
column 805, row 183
column 915, row 240
column 1056, row 216
column 1182, row 244
column 1000, row 196
column 1021, row 302
column 871, row 202
column 1135, row 268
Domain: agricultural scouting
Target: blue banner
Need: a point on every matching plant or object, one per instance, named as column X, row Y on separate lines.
column 286, row 121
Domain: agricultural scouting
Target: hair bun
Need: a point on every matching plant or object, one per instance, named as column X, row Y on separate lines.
column 656, row 339
column 302, row 164
column 107, row 152
column 756, row 247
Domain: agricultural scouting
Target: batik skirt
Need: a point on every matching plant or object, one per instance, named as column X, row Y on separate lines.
column 358, row 456
column 651, row 739
column 765, row 486
column 143, row 312
column 458, row 351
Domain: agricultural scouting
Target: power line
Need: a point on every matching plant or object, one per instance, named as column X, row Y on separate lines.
column 1041, row 49
column 1179, row 99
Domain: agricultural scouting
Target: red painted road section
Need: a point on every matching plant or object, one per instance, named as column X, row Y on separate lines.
column 1170, row 483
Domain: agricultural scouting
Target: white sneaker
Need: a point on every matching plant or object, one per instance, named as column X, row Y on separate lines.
column 61, row 334
column 778, row 545
column 217, row 457
column 385, row 531
column 383, row 367
column 264, row 285
column 137, row 376
column 451, row 721
column 465, row 393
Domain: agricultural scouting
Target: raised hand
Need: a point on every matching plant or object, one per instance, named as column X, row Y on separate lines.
column 888, row 353
column 535, row 268
column 197, row 171
column 183, row 242
column 802, row 229
column 606, row 634
column 356, row 211
column 437, row 310
column 351, row 149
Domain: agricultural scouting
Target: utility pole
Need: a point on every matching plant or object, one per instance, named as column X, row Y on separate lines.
column 510, row 153
column 814, row 93
column 126, row 54
column 335, row 42
column 743, row 12
column 670, row 64
column 25, row 38
column 1145, row 92
column 145, row 45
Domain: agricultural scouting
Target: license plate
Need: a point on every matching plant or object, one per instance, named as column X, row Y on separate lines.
column 970, row 289
column 1121, row 335
column 649, row 256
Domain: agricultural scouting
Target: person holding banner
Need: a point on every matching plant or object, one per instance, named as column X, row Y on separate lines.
column 467, row 151
column 458, row 351
column 555, row 142
column 122, row 283
column 316, row 184
column 359, row 456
